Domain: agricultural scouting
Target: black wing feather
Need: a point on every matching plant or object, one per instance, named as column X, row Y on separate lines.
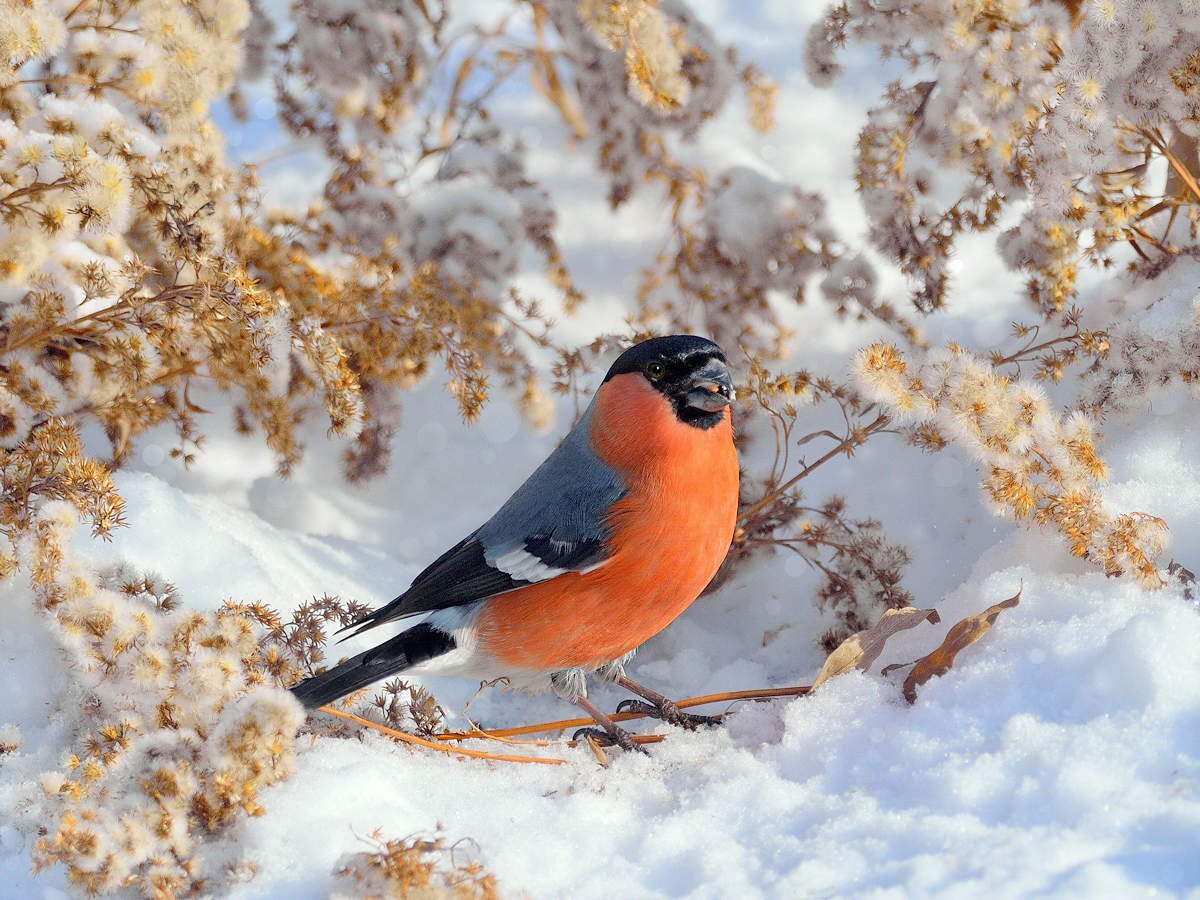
column 460, row 575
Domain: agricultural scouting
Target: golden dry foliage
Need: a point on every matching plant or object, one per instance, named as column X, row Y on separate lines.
column 123, row 818
column 962, row 635
column 49, row 465
column 762, row 96
column 1037, row 466
column 184, row 729
column 413, row 867
column 653, row 48
column 181, row 729
column 146, row 266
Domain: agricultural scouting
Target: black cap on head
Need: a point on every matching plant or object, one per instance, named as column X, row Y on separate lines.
column 681, row 347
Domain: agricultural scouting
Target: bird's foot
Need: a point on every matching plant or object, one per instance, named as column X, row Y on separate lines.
column 617, row 737
column 667, row 711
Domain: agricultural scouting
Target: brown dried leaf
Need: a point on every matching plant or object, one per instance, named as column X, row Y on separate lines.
column 596, row 752
column 963, row 634
column 860, row 650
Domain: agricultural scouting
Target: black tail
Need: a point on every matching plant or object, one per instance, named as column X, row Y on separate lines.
column 403, row 651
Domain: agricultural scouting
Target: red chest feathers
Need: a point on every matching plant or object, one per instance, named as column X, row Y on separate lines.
column 670, row 533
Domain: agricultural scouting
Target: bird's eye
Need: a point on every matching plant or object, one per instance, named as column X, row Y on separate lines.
column 655, row 371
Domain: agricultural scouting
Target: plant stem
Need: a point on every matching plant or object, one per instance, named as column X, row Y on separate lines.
column 562, row 724
column 847, row 444
column 432, row 745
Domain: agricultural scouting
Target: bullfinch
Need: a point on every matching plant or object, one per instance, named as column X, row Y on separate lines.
column 606, row 543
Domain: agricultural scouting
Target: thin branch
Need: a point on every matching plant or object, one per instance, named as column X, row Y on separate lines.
column 562, row 724
column 846, row 445
column 1035, row 348
column 431, row 745
column 1181, row 169
column 75, row 10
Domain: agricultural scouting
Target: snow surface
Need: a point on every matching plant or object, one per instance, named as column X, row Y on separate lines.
column 1061, row 755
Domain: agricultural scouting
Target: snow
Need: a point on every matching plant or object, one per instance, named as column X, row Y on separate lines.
column 1060, row 755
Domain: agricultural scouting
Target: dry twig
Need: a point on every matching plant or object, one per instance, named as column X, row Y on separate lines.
column 432, row 745
column 563, row 724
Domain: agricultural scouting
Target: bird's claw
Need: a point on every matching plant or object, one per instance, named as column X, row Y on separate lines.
column 618, row 738
column 668, row 712
column 640, row 707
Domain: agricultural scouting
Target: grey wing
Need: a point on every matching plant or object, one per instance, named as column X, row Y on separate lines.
column 555, row 523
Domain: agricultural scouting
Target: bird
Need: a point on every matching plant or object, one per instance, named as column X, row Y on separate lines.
column 609, row 540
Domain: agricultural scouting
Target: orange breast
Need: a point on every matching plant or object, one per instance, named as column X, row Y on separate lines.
column 669, row 535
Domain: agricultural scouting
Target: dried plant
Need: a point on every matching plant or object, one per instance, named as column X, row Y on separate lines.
column 1037, row 466
column 737, row 241
column 408, row 707
column 960, row 636
column 413, row 867
column 296, row 649
column 653, row 49
column 1015, row 101
column 180, row 728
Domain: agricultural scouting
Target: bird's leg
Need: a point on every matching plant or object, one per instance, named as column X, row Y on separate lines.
column 612, row 735
column 660, row 707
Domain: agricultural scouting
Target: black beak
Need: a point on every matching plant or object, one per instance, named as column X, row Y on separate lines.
column 710, row 388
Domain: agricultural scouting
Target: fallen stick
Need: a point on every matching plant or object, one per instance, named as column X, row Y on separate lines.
column 433, row 745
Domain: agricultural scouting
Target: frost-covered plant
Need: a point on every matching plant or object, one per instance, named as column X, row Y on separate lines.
column 1152, row 344
column 49, row 466
column 1037, row 465
column 641, row 71
column 118, row 235
column 182, row 725
column 1060, row 108
column 1078, row 122
column 351, row 68
column 653, row 49
column 180, row 729
column 745, row 238
column 412, row 867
